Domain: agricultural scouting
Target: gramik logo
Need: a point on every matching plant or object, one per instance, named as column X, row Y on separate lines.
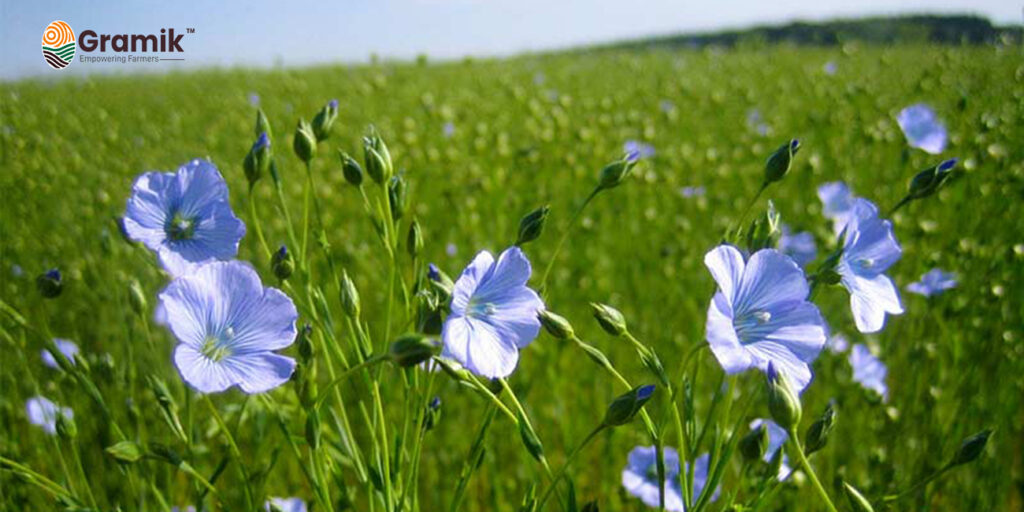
column 58, row 44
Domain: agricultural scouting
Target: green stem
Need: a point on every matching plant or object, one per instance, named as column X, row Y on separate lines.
column 347, row 373
column 235, row 452
column 802, row 459
column 565, row 235
column 565, row 466
column 254, row 218
column 916, row 487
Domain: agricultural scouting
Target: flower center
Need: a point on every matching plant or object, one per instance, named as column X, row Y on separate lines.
column 866, row 262
column 481, row 309
column 749, row 321
column 181, row 227
column 217, row 347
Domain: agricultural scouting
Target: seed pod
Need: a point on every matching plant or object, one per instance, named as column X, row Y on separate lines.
column 556, row 325
column 610, row 319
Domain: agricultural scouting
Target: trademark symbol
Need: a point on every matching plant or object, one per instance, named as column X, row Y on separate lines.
column 190, row 31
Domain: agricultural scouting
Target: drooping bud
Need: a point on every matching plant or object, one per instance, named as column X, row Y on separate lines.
column 304, row 142
column 397, row 197
column 412, row 349
column 928, row 181
column 614, row 173
column 610, row 319
column 858, row 503
column 783, row 401
column 971, row 448
column 779, row 163
column 282, row 263
column 817, row 433
column 349, row 296
column 257, row 160
column 262, row 124
column 350, row 169
column 532, row 225
column 556, row 325
column 765, row 230
column 126, row 452
column 324, row 119
column 626, row 406
column 530, row 439
column 136, row 297
column 753, row 445
column 376, row 157
column 50, row 284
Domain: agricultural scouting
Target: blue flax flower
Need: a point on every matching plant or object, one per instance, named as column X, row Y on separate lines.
column 640, row 477
column 870, row 249
column 493, row 314
column 777, row 437
column 761, row 314
column 228, row 326
column 922, row 128
column 799, row 246
column 934, row 282
column 836, row 203
column 43, row 413
column 286, row 504
column 184, row 216
column 868, row 370
column 66, row 347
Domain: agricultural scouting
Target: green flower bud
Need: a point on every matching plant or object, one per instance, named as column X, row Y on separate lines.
column 350, row 169
column 414, row 240
column 556, row 325
column 817, row 433
column 753, row 445
column 126, row 451
column 324, row 119
column 349, row 296
column 610, row 319
column 928, row 181
column 50, row 284
column 971, row 448
column 262, row 124
column 166, row 453
column 282, row 263
column 441, row 281
column 614, row 173
column 858, row 503
column 376, row 158
column 136, row 297
column 626, row 406
column 532, row 225
column 305, row 343
column 530, row 439
column 66, row 427
column 783, row 401
column 304, row 142
column 432, row 415
column 168, row 407
column 779, row 163
column 412, row 349
column 397, row 197
column 765, row 230
column 257, row 160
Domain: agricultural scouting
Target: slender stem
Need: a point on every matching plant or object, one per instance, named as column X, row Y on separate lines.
column 254, row 219
column 235, row 452
column 565, row 466
column 914, row 488
column 903, row 202
column 751, row 204
column 40, row 480
column 799, row 451
column 347, row 373
column 565, row 235
column 305, row 214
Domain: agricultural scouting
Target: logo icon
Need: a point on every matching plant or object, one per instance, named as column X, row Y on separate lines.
column 58, row 45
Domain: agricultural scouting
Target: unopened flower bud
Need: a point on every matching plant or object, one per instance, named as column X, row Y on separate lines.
column 556, row 325
column 262, row 124
column 532, row 225
column 376, row 158
column 414, row 240
column 783, row 401
column 257, row 160
column 765, row 230
column 858, row 503
column 610, row 319
column 304, row 142
column 753, row 445
column 66, row 427
column 50, row 284
column 818, row 432
column 305, row 343
column 324, row 119
column 971, row 448
column 349, row 296
column 779, row 163
column 397, row 188
column 530, row 439
column 928, row 181
column 614, row 173
column 136, row 297
column 440, row 280
column 126, row 451
column 433, row 414
column 282, row 263
column 412, row 349
column 350, row 169
column 626, row 406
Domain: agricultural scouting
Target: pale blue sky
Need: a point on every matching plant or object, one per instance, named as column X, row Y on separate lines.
column 300, row 32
